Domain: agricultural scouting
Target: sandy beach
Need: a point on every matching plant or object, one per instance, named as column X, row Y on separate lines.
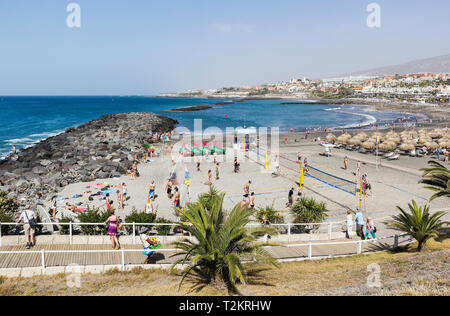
column 394, row 183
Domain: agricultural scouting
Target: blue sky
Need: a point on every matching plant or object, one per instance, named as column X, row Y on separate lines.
column 147, row 46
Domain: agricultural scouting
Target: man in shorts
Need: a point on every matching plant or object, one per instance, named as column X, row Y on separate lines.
column 28, row 217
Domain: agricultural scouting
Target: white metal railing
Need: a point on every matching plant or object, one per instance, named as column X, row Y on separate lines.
column 288, row 227
column 122, row 251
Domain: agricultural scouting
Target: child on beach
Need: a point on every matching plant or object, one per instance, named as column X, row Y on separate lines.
column 217, row 171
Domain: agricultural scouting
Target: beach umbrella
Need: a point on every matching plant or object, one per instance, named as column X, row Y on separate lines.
column 363, row 136
column 384, row 147
column 423, row 140
column 391, row 145
column 431, row 145
column 344, row 138
column 330, row 137
column 407, row 147
column 368, row 144
column 354, row 141
column 443, row 141
column 394, row 139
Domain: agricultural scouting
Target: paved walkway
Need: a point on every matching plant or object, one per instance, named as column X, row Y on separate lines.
column 73, row 253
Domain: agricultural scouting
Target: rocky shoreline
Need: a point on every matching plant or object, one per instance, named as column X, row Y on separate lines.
column 80, row 154
column 192, row 108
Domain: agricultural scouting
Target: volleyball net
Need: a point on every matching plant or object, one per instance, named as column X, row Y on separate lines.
column 293, row 166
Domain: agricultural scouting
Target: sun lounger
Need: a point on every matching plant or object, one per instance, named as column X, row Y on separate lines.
column 394, row 157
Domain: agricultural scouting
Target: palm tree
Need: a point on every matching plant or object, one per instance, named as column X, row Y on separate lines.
column 419, row 223
column 308, row 210
column 437, row 179
column 221, row 242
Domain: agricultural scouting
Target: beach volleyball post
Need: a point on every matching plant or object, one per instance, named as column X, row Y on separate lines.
column 302, row 175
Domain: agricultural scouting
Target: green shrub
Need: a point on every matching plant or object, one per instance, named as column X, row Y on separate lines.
column 163, row 230
column 139, row 217
column 8, row 206
column 65, row 229
column 94, row 215
column 308, row 210
column 269, row 213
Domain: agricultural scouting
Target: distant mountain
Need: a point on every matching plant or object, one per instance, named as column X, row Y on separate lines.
column 439, row 64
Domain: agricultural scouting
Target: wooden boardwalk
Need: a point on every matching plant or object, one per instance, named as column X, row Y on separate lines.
column 293, row 251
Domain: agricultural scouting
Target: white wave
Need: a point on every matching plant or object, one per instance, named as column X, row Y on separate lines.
column 369, row 120
column 333, row 109
column 46, row 135
column 24, row 140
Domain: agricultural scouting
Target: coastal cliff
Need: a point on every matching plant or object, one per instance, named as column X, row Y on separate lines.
column 80, row 154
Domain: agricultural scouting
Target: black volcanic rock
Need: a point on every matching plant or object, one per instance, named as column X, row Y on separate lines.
column 80, row 154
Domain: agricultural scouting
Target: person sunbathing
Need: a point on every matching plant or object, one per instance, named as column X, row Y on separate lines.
column 72, row 208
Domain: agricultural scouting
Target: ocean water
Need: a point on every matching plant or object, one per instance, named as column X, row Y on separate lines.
column 27, row 120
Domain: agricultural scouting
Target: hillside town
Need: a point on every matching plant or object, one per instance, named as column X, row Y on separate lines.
column 417, row 87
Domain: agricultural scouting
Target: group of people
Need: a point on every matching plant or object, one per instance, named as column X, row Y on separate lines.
column 364, row 229
column 248, row 198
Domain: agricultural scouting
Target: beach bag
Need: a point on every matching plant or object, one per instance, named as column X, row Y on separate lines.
column 147, row 252
column 374, row 229
column 31, row 222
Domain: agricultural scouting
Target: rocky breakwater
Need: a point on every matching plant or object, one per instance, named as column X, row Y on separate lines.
column 80, row 154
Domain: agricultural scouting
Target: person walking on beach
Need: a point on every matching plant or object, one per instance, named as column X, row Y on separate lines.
column 300, row 192
column 345, row 163
column 119, row 196
column 151, row 191
column 107, row 201
column 349, row 223
column 277, row 164
column 134, row 171
column 370, row 228
column 359, row 219
column 28, row 217
column 247, row 188
column 217, row 171
column 176, row 199
column 124, row 192
column 236, row 165
column 198, row 164
column 290, row 197
column 209, row 180
column 305, row 165
column 113, row 222
column 54, row 208
column 252, row 200
column 169, row 188
column 244, row 202
column 358, row 168
column 366, row 185
column 145, row 243
column 299, row 157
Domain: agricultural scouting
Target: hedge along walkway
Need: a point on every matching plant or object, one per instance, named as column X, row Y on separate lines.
column 73, row 254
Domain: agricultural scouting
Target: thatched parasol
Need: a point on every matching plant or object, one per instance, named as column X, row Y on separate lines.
column 330, row 137
column 342, row 139
column 407, row 147
column 368, row 144
column 385, row 146
column 355, row 141
column 431, row 145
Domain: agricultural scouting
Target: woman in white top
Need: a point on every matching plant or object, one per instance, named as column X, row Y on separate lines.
column 349, row 222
